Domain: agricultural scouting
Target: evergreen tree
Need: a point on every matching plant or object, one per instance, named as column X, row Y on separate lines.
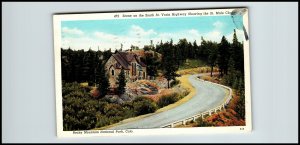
column 240, row 107
column 179, row 57
column 237, row 53
column 152, row 63
column 107, row 54
column 169, row 66
column 195, row 49
column 78, row 66
column 102, row 79
column 203, row 54
column 121, row 82
column 183, row 49
column 90, row 64
column 158, row 47
column 212, row 56
column 66, row 65
column 191, row 50
column 223, row 56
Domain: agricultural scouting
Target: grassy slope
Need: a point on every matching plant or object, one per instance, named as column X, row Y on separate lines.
column 192, row 63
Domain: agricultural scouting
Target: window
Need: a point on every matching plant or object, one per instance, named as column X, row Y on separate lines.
column 133, row 69
column 112, row 72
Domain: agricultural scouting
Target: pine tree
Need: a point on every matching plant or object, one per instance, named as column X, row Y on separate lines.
column 240, row 108
column 204, row 49
column 223, row 56
column 183, row 49
column 169, row 66
column 103, row 80
column 121, row 82
column 78, row 66
column 195, row 49
column 152, row 63
column 66, row 65
column 212, row 55
column 191, row 50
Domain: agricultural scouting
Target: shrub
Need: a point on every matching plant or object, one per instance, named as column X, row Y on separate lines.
column 111, row 110
column 128, row 112
column 201, row 123
column 102, row 120
column 240, row 107
column 143, row 106
column 174, row 83
column 168, row 99
column 86, row 89
column 81, row 111
column 184, row 93
column 78, row 108
column 67, row 88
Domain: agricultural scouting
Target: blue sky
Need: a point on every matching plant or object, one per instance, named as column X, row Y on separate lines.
column 107, row 34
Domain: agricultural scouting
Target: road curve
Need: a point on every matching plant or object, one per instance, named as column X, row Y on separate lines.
column 208, row 96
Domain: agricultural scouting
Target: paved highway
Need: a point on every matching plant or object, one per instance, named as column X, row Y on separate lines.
column 208, row 96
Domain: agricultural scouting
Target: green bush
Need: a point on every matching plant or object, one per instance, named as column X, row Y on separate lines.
column 78, row 108
column 128, row 112
column 201, row 123
column 86, row 89
column 240, row 107
column 143, row 105
column 183, row 94
column 112, row 110
column 81, row 111
column 166, row 100
column 69, row 87
column 174, row 83
column 102, row 120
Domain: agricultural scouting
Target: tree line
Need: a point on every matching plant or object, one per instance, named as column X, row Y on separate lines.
column 88, row 66
column 83, row 66
column 228, row 57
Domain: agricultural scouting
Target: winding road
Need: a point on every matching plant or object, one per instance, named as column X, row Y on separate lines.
column 207, row 97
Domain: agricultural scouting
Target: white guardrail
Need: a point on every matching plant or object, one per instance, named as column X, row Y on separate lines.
column 209, row 112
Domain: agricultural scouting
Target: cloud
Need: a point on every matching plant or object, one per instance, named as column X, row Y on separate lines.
column 138, row 36
column 218, row 25
column 194, row 32
column 140, row 32
column 105, row 40
column 214, row 35
column 106, row 36
column 191, row 35
column 78, row 43
column 239, row 34
column 72, row 31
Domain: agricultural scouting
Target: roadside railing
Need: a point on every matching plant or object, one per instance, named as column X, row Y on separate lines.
column 203, row 114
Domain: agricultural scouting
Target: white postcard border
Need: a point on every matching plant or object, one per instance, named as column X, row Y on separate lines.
column 161, row 131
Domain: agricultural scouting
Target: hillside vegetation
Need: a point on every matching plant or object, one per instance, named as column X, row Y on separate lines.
column 82, row 110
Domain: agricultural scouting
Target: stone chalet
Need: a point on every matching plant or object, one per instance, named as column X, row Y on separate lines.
column 134, row 69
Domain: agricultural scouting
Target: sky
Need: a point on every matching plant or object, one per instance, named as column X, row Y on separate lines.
column 105, row 34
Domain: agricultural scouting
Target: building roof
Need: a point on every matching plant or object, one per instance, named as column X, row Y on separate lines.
column 142, row 64
column 125, row 59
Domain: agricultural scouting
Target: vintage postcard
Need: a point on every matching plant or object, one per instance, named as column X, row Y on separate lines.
column 152, row 72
